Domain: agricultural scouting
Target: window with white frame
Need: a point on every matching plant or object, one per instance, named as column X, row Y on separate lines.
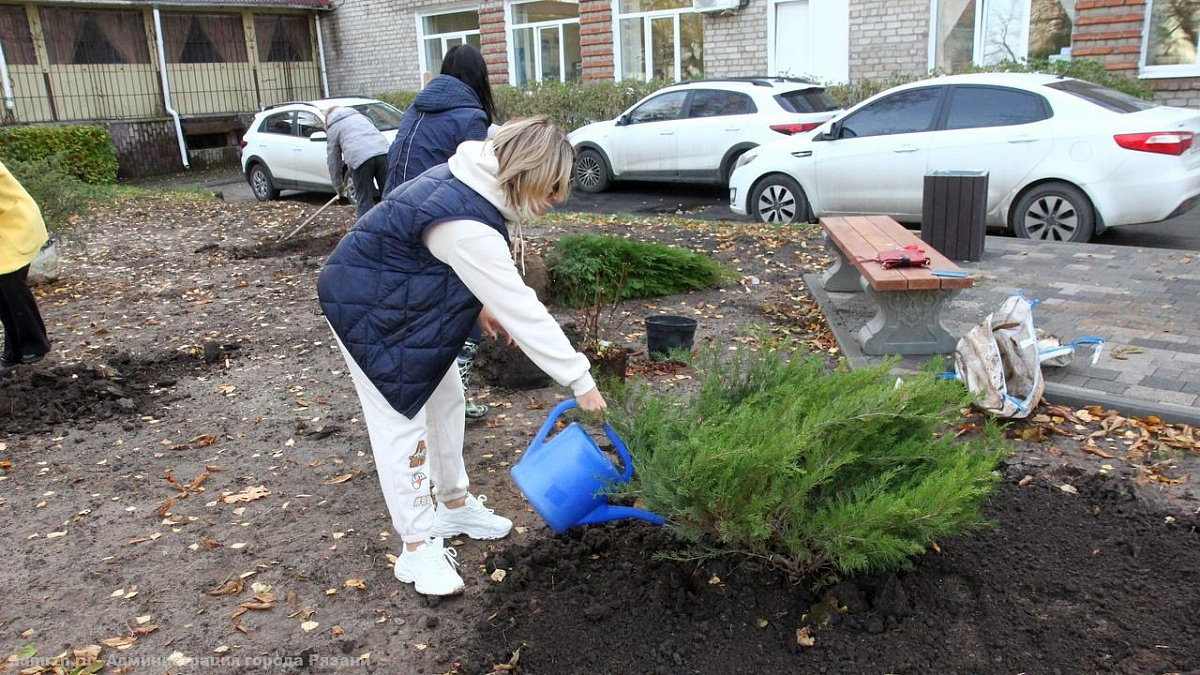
column 440, row 32
column 543, row 38
column 991, row 31
column 1172, row 29
column 659, row 39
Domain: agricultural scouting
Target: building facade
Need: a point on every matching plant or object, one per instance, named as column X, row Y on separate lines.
column 176, row 82
column 385, row 45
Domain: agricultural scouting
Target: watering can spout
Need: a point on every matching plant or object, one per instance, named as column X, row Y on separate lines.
column 606, row 512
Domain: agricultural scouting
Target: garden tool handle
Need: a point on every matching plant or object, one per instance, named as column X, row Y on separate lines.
column 548, row 425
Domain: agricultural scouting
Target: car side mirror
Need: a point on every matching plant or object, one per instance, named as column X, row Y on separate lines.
column 318, row 137
column 834, row 132
column 623, row 120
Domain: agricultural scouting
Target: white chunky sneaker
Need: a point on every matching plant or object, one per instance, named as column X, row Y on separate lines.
column 430, row 568
column 472, row 519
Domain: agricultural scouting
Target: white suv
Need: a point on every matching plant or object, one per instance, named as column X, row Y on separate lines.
column 284, row 148
column 695, row 131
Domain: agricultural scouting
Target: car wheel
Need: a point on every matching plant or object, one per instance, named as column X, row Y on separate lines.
column 1054, row 212
column 591, row 172
column 778, row 199
column 262, row 184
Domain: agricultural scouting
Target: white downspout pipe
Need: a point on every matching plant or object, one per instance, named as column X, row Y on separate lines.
column 8, row 94
column 166, row 85
column 321, row 54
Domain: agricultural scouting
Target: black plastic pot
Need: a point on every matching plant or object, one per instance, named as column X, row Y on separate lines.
column 665, row 332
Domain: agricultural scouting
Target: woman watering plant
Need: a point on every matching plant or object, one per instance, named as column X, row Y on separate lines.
column 403, row 290
column 455, row 106
column 22, row 233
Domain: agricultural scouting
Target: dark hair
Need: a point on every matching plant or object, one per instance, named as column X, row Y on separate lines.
column 465, row 63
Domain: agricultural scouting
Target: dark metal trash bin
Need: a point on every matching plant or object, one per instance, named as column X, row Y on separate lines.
column 952, row 217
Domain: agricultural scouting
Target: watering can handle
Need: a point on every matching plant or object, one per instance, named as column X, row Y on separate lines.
column 548, row 425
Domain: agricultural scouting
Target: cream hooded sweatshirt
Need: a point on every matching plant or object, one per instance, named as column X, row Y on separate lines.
column 480, row 257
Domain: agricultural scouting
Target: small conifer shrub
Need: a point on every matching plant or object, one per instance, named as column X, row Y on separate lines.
column 590, row 269
column 820, row 474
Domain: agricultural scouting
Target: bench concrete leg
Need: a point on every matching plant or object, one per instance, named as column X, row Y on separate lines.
column 842, row 277
column 907, row 322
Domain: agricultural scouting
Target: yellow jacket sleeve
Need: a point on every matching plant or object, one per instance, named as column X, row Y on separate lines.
column 22, row 231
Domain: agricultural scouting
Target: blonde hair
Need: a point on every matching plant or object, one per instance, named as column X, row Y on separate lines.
column 535, row 160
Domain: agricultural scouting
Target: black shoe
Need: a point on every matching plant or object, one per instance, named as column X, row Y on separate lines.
column 29, row 359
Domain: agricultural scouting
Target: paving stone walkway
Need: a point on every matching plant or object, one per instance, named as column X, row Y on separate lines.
column 1144, row 302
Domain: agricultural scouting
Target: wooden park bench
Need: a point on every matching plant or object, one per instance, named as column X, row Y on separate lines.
column 908, row 300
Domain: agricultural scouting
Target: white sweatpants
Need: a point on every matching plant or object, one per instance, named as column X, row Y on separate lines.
column 409, row 453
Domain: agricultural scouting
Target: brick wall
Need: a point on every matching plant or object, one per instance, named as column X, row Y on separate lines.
column 493, row 42
column 371, row 46
column 1110, row 31
column 596, row 39
column 735, row 44
column 146, row 148
column 888, row 37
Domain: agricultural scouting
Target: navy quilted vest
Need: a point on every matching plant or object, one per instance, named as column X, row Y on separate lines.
column 402, row 313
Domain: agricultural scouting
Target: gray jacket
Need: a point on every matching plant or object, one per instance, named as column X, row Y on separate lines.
column 353, row 136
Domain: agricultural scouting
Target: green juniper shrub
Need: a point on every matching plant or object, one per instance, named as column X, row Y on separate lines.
column 86, row 151
column 821, row 474
column 585, row 269
column 58, row 193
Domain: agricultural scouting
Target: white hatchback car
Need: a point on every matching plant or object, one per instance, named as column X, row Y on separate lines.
column 695, row 131
column 284, row 148
column 1065, row 158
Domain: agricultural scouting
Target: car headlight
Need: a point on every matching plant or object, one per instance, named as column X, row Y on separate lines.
column 745, row 159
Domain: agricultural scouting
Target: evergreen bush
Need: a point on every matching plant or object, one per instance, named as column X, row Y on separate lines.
column 86, row 151
column 58, row 193
column 817, row 473
column 590, row 269
column 399, row 99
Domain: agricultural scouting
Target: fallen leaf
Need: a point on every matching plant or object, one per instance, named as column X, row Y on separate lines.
column 247, row 495
column 309, row 626
column 119, row 642
column 762, row 623
column 804, row 637
column 338, row 479
column 1068, row 488
column 499, row 575
column 356, row 583
column 231, row 587
column 1025, row 481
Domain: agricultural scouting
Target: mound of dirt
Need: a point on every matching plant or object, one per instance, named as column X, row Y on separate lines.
column 36, row 398
column 1067, row 583
column 304, row 247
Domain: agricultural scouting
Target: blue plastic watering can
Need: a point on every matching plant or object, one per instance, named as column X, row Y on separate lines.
column 564, row 478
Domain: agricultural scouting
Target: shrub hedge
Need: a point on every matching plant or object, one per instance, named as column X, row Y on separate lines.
column 574, row 104
column 820, row 474
column 59, row 194
column 86, row 151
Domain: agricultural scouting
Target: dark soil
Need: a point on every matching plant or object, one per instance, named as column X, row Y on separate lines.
column 192, row 364
column 1093, row 582
column 115, row 385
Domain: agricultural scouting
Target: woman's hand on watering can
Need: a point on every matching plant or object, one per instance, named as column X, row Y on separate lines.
column 491, row 327
column 592, row 402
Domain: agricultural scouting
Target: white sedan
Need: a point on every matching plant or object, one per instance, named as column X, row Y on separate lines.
column 284, row 148
column 1065, row 158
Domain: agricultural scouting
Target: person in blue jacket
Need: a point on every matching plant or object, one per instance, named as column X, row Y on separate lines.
column 455, row 106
